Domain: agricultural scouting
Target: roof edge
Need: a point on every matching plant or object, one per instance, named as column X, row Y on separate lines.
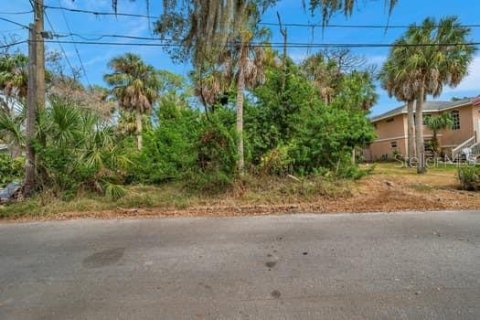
column 386, row 115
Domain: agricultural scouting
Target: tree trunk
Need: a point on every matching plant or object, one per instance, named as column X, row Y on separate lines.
column 421, row 166
column 410, row 132
column 435, row 143
column 29, row 183
column 138, row 129
column 240, row 99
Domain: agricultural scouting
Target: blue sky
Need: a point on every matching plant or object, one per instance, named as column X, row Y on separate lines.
column 95, row 58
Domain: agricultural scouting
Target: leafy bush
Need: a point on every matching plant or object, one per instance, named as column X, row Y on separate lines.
column 325, row 138
column 270, row 117
column 469, row 177
column 185, row 145
column 276, row 161
column 168, row 152
column 10, row 169
column 298, row 132
column 77, row 151
column 216, row 152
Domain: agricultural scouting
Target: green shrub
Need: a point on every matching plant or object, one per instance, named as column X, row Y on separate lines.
column 469, row 177
column 325, row 138
column 77, row 151
column 168, row 152
column 216, row 152
column 276, row 161
column 10, row 169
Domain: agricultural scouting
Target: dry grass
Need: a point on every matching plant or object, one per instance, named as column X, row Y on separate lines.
column 389, row 188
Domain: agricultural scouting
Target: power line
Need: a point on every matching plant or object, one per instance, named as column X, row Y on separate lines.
column 18, row 12
column 61, row 47
column 358, row 26
column 13, row 44
column 74, row 45
column 11, row 30
column 102, row 13
column 277, row 44
column 303, row 25
column 14, row 22
column 98, row 37
column 273, row 44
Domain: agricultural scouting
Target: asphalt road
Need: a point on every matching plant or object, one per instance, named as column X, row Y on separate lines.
column 365, row 266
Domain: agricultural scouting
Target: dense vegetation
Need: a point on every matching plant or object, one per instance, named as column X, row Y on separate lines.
column 289, row 129
column 244, row 110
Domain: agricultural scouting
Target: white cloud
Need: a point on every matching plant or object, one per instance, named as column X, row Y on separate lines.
column 471, row 82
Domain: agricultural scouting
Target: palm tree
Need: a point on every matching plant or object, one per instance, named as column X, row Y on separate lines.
column 202, row 29
column 329, row 7
column 244, row 63
column 437, row 123
column 80, row 145
column 357, row 90
column 135, row 86
column 324, row 73
column 13, row 75
column 13, row 83
column 210, row 86
column 396, row 82
column 433, row 55
column 11, row 129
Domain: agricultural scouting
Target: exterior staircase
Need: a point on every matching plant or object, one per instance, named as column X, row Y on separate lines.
column 473, row 144
column 476, row 150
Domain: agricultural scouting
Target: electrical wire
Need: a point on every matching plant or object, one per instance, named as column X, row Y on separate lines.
column 11, row 30
column 13, row 44
column 278, row 44
column 18, row 12
column 305, row 25
column 60, row 44
column 14, row 22
column 75, row 46
column 168, row 43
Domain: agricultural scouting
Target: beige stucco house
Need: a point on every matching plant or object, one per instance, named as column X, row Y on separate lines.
column 391, row 128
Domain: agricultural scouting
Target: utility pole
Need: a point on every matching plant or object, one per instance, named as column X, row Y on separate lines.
column 40, row 55
column 29, row 185
column 36, row 91
column 283, row 31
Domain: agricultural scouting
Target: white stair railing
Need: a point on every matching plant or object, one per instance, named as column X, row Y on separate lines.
column 466, row 144
column 475, row 149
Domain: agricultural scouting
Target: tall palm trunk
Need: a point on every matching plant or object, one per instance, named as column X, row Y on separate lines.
column 435, row 143
column 410, row 132
column 421, row 166
column 138, row 129
column 240, row 100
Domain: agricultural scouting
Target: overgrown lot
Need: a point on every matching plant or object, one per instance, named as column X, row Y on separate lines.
column 387, row 188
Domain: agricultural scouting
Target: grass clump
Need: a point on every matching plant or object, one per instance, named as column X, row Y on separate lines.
column 469, row 177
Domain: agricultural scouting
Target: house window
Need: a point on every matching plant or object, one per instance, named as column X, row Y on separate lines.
column 456, row 119
column 393, row 144
column 390, row 120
